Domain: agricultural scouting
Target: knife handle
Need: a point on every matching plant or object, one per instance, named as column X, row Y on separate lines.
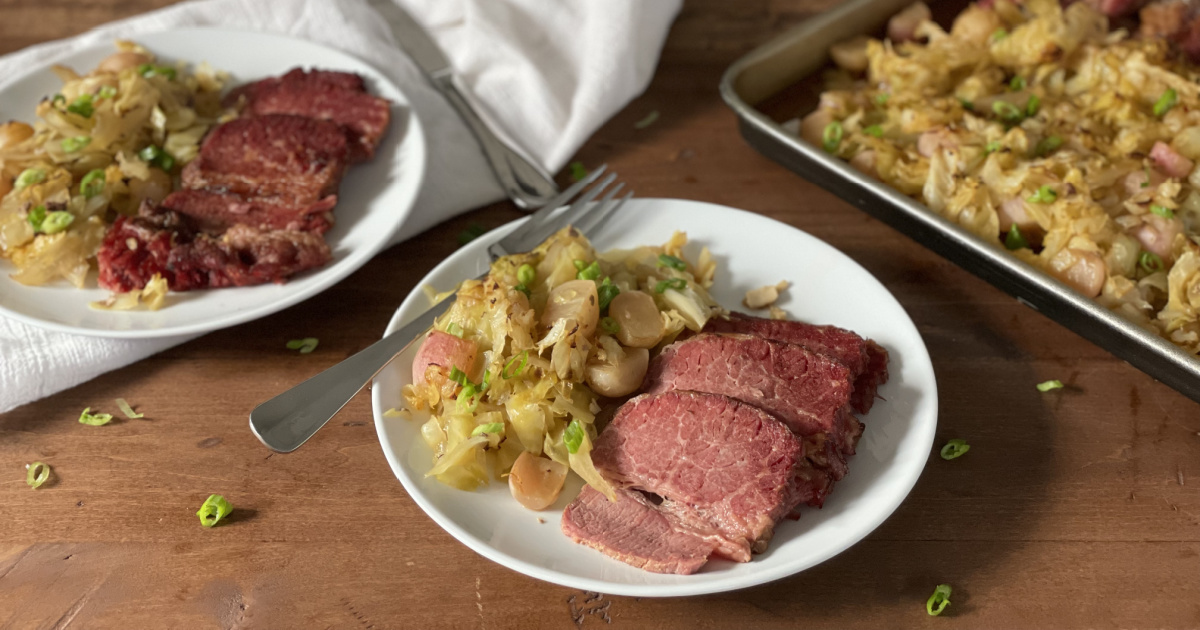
column 524, row 183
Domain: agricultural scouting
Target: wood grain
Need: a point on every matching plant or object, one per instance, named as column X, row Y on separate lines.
column 1074, row 509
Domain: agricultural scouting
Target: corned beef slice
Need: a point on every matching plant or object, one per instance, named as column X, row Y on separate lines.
column 215, row 212
column 166, row 243
column 295, row 159
column 633, row 531
column 808, row 391
column 335, row 96
column 726, row 471
column 866, row 359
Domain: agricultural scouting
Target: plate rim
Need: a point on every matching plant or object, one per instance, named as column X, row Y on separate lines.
column 414, row 132
column 766, row 575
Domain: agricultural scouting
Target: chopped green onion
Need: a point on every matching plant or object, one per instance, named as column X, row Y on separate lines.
column 454, row 329
column 1045, row 194
column 92, row 184
column 606, row 291
column 56, row 221
column 509, row 371
column 123, row 405
column 1007, row 111
column 573, row 436
column 1151, row 262
column 71, row 145
column 29, row 177
column 82, row 105
column 673, row 283
column 832, row 136
column 36, row 474
column 1016, row 84
column 1015, row 240
column 874, row 131
column 305, row 345
column 578, row 171
column 590, row 272
column 647, row 121
column 487, row 381
column 94, row 419
column 1165, row 102
column 214, row 509
column 468, row 401
column 968, row 105
column 993, row 146
column 107, row 91
column 1046, row 386
column 147, row 71
column 491, row 427
column 526, row 274
column 882, row 98
column 999, row 34
column 58, row 98
column 472, row 232
column 610, row 325
column 1033, row 105
column 1047, row 145
column 157, row 157
column 1162, row 211
column 458, row 376
column 955, row 448
column 665, row 260
column 37, row 216
column 939, row 600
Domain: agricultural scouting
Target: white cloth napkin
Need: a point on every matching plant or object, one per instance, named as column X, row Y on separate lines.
column 544, row 73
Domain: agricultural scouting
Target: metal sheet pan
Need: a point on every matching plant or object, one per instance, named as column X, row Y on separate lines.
column 790, row 65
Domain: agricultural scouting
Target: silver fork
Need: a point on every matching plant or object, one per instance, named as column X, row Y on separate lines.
column 286, row 421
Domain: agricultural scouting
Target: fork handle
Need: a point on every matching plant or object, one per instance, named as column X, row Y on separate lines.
column 289, row 419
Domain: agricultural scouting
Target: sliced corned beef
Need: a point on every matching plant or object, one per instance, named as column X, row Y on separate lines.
column 214, row 212
column 726, row 471
column 634, row 531
column 296, row 159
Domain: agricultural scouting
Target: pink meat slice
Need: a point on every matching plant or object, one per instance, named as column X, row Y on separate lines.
column 214, row 212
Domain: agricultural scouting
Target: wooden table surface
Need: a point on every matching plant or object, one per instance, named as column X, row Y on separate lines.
column 1074, row 509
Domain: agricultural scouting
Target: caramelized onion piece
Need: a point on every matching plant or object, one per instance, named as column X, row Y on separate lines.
column 574, row 299
column 640, row 324
column 536, row 481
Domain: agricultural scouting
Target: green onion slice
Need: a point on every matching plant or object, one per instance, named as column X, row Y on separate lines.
column 573, row 436
column 1015, row 240
column 36, row 216
column 968, row 105
column 305, row 345
column 82, row 105
column 831, row 137
column 1046, row 386
column 939, row 600
column 609, row 325
column 999, row 34
column 456, row 330
column 590, row 272
column 1162, row 211
column 94, row 419
column 458, row 376
column 157, row 157
column 1047, row 145
column 882, row 98
column 1016, row 84
column 92, row 184
column 606, row 291
column 1033, row 105
column 491, row 427
column 58, row 99
column 468, row 398
column 472, row 232
column 509, row 371
column 214, row 509
column 57, row 221
column 1007, row 111
column 647, row 121
column 1165, row 102
column 578, row 171
column 526, row 274
column 955, row 448
column 29, row 177
column 666, row 260
column 1151, row 262
column 993, row 146
column 107, row 91
column 71, row 145
column 36, row 474
column 126, row 409
column 1045, row 194
column 674, row 283
column 874, row 130
column 147, row 71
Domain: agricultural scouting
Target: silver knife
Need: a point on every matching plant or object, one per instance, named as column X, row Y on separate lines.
column 526, row 184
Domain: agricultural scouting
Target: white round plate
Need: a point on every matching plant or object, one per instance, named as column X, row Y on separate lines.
column 752, row 251
column 373, row 201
